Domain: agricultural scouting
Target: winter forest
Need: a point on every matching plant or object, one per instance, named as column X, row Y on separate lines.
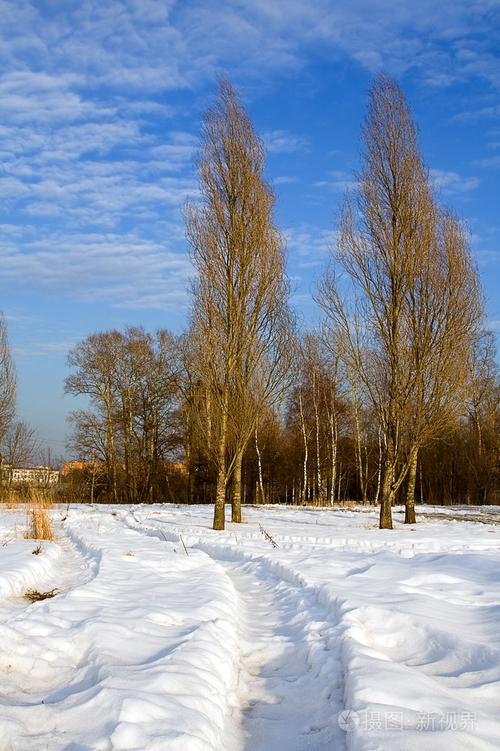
column 392, row 399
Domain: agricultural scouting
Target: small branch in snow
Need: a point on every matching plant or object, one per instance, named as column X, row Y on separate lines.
column 268, row 537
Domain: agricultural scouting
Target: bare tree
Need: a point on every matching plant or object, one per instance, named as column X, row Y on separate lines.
column 20, row 445
column 93, row 361
column 240, row 312
column 7, row 381
column 384, row 242
column 444, row 312
column 133, row 424
column 482, row 444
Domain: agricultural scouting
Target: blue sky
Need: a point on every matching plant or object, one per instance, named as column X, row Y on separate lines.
column 100, row 104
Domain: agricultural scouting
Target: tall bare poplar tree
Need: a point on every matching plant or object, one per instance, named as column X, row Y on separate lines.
column 413, row 291
column 240, row 299
column 444, row 312
column 381, row 240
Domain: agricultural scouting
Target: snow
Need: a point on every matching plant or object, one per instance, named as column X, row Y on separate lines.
column 166, row 635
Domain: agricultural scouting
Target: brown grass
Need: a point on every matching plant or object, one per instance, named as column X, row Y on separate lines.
column 9, row 499
column 40, row 527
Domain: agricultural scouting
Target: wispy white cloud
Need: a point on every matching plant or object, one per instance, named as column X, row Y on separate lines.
column 124, row 270
column 27, row 97
column 87, row 140
column 65, row 174
column 151, row 46
column 338, row 181
column 283, row 142
column 285, row 179
column 493, row 325
column 478, row 113
column 310, row 246
column 487, row 258
column 451, row 183
column 489, row 161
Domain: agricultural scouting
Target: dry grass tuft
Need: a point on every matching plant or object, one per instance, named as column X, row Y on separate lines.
column 40, row 526
column 40, row 498
column 34, row 596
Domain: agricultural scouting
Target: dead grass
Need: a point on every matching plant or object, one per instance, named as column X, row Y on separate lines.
column 34, row 596
column 40, row 527
column 9, row 499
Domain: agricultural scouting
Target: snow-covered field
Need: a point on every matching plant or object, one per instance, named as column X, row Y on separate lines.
column 165, row 635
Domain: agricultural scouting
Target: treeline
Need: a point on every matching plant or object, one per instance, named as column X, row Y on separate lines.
column 395, row 398
column 322, row 445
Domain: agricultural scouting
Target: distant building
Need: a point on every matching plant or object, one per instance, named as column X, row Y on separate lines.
column 72, row 466
column 40, row 476
column 79, row 465
column 175, row 468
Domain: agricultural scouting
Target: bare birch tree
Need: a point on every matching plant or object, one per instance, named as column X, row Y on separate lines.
column 240, row 299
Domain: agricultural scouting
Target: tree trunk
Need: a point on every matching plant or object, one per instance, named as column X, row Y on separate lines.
column 236, row 496
column 220, row 493
column 379, row 470
column 319, row 481
column 388, row 493
column 410, row 517
column 333, row 435
column 260, row 485
column 304, row 437
column 365, row 475
column 92, row 486
column 359, row 457
column 220, row 499
column 110, row 452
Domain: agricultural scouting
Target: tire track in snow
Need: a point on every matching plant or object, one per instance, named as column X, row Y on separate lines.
column 31, row 666
column 141, row 657
column 290, row 688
